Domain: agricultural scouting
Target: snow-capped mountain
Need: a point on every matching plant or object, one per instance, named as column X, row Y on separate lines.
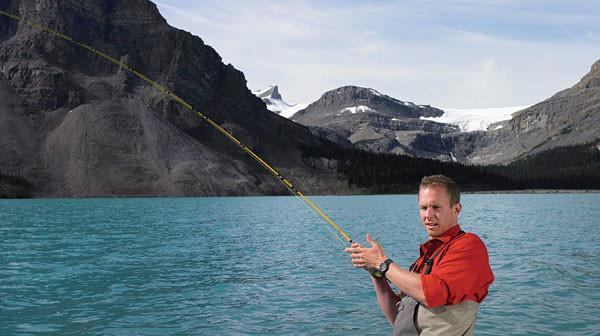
column 365, row 118
column 478, row 119
column 275, row 103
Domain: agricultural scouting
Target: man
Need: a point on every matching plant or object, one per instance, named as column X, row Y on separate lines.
column 441, row 292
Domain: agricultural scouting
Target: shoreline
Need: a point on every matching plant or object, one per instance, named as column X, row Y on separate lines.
column 469, row 192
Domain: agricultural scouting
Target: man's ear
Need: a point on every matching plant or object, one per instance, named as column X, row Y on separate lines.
column 457, row 208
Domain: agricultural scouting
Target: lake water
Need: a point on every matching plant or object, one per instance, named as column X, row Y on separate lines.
column 269, row 266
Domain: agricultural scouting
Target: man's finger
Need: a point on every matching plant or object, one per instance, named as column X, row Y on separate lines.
column 370, row 240
column 358, row 263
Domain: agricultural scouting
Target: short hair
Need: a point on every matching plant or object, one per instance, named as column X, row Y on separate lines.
column 452, row 187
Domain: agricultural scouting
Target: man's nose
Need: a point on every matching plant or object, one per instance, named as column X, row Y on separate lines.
column 429, row 212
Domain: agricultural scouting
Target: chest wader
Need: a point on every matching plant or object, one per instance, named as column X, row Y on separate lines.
column 416, row 319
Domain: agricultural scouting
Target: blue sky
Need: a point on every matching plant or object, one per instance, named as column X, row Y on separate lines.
column 451, row 54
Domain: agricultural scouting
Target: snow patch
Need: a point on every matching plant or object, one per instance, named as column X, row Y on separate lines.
column 355, row 109
column 478, row 119
column 289, row 112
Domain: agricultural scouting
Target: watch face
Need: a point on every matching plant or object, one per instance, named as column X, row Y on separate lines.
column 383, row 267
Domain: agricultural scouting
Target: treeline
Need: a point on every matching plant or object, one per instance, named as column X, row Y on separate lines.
column 389, row 173
column 572, row 167
column 575, row 167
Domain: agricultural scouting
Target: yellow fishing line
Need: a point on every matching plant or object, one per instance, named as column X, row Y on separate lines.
column 284, row 181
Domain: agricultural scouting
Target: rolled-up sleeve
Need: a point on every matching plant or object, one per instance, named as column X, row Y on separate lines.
column 463, row 273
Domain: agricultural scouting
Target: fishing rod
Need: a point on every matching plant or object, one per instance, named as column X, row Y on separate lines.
column 283, row 180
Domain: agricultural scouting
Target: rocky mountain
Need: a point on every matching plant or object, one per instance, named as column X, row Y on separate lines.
column 569, row 117
column 74, row 124
column 376, row 122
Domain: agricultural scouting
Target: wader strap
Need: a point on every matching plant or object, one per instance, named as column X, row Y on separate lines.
column 429, row 261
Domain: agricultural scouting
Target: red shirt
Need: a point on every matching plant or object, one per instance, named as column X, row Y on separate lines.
column 461, row 273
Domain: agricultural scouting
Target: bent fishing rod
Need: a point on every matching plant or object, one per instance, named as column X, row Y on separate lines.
column 274, row 172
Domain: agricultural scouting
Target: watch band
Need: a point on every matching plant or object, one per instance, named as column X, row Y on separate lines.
column 385, row 266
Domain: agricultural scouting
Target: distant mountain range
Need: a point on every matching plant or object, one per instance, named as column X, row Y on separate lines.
column 467, row 120
column 366, row 119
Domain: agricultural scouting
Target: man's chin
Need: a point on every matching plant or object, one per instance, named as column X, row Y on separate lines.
column 432, row 230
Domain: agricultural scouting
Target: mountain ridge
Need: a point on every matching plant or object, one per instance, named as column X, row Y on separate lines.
column 74, row 124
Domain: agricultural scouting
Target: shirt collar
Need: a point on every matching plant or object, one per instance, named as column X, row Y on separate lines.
column 432, row 244
column 449, row 234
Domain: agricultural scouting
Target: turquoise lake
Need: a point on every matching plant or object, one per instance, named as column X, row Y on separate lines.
column 269, row 266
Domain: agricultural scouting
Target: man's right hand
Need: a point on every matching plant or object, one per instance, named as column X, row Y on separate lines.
column 366, row 257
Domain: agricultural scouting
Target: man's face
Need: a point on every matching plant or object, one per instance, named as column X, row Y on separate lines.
column 437, row 215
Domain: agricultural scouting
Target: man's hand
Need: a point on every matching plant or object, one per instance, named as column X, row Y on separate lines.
column 366, row 257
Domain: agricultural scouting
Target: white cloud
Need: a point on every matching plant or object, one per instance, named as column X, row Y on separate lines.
column 464, row 56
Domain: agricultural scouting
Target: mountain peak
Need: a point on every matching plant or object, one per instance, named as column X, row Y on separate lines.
column 335, row 104
column 271, row 92
column 272, row 98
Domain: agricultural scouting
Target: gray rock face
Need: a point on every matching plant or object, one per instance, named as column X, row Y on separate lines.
column 74, row 124
column 570, row 117
column 376, row 122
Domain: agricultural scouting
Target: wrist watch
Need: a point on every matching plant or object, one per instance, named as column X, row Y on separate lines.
column 384, row 266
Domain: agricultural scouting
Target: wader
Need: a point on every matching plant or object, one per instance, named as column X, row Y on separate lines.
column 413, row 318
